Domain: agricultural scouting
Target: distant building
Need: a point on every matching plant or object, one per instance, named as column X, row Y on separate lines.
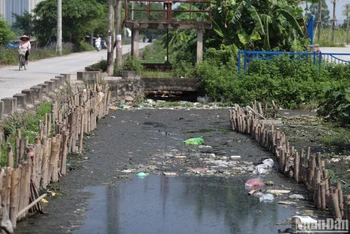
column 7, row 7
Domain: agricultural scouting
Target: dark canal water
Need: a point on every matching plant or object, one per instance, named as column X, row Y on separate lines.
column 173, row 205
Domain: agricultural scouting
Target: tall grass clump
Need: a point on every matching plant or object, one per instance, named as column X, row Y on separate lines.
column 28, row 123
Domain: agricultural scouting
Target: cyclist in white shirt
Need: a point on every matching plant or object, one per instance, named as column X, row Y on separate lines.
column 25, row 44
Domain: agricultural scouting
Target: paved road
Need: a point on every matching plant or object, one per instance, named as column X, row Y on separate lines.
column 13, row 81
column 345, row 50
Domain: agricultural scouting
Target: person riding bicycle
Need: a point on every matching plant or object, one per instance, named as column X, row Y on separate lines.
column 25, row 44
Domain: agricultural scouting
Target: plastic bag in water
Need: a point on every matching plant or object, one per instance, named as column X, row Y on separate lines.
column 194, row 141
column 267, row 198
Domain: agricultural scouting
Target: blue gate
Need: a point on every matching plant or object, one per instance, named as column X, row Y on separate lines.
column 246, row 57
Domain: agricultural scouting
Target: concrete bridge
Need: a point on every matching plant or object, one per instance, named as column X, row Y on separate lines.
column 177, row 85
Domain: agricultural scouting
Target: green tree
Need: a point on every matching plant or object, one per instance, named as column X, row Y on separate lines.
column 265, row 24
column 24, row 23
column 324, row 13
column 79, row 17
column 6, row 34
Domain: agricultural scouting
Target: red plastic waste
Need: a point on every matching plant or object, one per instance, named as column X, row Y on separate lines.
column 254, row 183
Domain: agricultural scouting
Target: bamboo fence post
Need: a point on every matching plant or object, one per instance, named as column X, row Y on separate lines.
column 340, row 198
column 41, row 129
column 81, row 137
column 14, row 198
column 55, row 150
column 9, row 155
column 8, row 189
column 38, row 161
column 336, row 207
column 260, row 109
column 323, row 195
column 347, row 207
column 18, row 145
column 308, row 154
column 274, row 105
column 22, row 189
column 301, row 167
column 296, row 167
column 64, row 153
column 44, row 163
column 52, row 155
column 326, row 180
column 317, row 193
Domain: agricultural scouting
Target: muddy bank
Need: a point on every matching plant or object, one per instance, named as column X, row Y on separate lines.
column 150, row 141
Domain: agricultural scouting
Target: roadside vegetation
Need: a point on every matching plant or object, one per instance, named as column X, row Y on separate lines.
column 27, row 123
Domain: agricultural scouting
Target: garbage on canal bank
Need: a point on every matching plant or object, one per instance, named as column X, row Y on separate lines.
column 296, row 196
column 277, row 191
column 142, row 174
column 265, row 167
column 194, row 141
column 267, row 198
column 254, row 183
column 170, row 173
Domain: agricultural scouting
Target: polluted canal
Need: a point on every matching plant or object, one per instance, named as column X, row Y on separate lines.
column 139, row 175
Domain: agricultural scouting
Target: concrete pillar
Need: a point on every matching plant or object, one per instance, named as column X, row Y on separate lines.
column 66, row 77
column 44, row 88
column 89, row 76
column 10, row 105
column 56, row 83
column 199, row 45
column 30, row 95
column 135, row 43
column 38, row 92
column 1, row 109
column 50, row 86
column 62, row 80
column 21, row 100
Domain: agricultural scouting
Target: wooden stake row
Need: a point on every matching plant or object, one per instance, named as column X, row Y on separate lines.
column 37, row 165
column 299, row 165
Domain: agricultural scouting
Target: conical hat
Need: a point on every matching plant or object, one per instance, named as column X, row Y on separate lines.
column 24, row 36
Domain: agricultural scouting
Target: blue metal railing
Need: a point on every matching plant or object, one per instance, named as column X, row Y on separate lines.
column 316, row 57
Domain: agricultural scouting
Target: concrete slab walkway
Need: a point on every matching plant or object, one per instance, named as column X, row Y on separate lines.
column 13, row 81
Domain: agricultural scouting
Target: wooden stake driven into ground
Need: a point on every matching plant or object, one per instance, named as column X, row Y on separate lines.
column 305, row 168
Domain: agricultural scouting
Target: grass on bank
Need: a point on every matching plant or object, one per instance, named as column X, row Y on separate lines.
column 326, row 38
column 27, row 122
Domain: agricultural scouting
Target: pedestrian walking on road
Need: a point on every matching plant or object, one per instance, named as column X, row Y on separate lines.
column 25, row 44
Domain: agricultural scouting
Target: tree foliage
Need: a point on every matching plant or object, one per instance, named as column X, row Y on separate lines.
column 79, row 17
column 314, row 9
column 24, row 23
column 5, row 33
column 266, row 24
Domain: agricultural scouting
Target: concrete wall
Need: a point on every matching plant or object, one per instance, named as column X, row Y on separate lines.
column 125, row 90
column 171, row 84
column 7, row 7
column 29, row 98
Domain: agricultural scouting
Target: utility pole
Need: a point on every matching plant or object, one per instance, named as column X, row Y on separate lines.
column 110, row 49
column 334, row 19
column 319, row 22
column 59, row 27
column 118, row 14
column 347, row 23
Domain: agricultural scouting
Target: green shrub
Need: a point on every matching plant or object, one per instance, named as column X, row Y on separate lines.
column 100, row 65
column 83, row 46
column 28, row 123
column 129, row 64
